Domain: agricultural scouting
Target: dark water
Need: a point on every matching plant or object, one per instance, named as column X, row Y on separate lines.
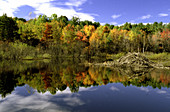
column 69, row 86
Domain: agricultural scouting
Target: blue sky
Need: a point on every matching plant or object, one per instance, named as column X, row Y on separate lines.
column 115, row 12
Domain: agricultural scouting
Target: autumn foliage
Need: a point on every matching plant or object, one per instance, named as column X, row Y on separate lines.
column 47, row 34
column 75, row 37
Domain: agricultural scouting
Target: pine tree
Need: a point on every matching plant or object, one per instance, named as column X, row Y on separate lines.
column 8, row 28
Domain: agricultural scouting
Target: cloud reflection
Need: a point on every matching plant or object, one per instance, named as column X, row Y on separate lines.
column 161, row 92
column 114, row 88
column 63, row 101
column 39, row 102
column 144, row 89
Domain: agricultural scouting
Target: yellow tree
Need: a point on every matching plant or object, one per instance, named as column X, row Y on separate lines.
column 57, row 30
column 132, row 37
column 136, row 38
column 98, row 39
column 68, row 33
column 117, row 40
column 89, row 29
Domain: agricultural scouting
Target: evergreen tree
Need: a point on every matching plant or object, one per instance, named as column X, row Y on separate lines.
column 8, row 28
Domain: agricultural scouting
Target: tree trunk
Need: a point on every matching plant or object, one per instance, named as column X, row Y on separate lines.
column 144, row 44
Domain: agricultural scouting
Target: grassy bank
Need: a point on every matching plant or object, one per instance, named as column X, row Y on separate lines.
column 162, row 58
column 149, row 55
column 22, row 51
column 159, row 56
column 19, row 51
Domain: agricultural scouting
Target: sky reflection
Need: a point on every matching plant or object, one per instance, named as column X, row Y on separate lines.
column 102, row 98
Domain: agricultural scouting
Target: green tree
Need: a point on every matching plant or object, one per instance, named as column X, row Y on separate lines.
column 42, row 19
column 74, row 21
column 54, row 17
column 63, row 20
column 8, row 28
column 96, row 24
column 127, row 26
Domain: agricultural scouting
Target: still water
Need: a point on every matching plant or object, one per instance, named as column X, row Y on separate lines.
column 69, row 86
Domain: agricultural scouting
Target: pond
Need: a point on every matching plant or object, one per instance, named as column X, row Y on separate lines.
column 68, row 86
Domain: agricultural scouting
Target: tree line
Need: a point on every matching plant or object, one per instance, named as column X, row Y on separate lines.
column 75, row 37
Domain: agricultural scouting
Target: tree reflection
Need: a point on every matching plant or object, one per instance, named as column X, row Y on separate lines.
column 8, row 81
column 55, row 77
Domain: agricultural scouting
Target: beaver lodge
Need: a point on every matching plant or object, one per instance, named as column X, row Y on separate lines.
column 132, row 60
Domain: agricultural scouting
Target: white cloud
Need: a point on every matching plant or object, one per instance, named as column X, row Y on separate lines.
column 48, row 10
column 71, row 3
column 75, row 3
column 113, row 23
column 163, row 15
column 116, row 16
column 79, row 9
column 102, row 24
column 132, row 21
column 46, row 7
column 10, row 6
column 147, row 23
column 146, row 16
column 121, row 24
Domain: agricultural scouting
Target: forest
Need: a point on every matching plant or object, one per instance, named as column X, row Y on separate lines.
column 53, row 37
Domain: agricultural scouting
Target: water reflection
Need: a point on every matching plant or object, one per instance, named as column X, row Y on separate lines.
column 60, row 75
column 113, row 97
